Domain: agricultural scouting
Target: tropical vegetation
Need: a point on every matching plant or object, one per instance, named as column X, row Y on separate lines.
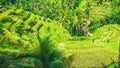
column 59, row 33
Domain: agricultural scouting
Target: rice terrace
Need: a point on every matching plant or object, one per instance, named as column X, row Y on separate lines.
column 59, row 33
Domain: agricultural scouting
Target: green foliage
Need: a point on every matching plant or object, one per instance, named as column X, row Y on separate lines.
column 87, row 54
column 49, row 54
column 5, row 13
column 18, row 33
column 56, row 32
column 108, row 33
column 72, row 14
column 32, row 37
column 28, row 62
column 57, row 64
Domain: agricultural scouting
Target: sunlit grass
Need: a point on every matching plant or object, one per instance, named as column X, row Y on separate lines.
column 89, row 54
column 98, row 53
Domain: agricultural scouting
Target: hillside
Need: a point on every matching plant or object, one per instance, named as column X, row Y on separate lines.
column 108, row 33
column 98, row 51
column 59, row 33
column 22, row 33
column 18, row 22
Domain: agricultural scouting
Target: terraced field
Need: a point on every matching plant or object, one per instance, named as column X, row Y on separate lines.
column 18, row 30
column 92, row 55
column 98, row 51
column 18, row 22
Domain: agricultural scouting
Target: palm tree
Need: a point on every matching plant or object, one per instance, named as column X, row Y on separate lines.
column 87, row 17
column 49, row 54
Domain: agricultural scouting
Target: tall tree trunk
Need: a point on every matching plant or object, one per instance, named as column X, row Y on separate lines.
column 85, row 28
column 87, row 14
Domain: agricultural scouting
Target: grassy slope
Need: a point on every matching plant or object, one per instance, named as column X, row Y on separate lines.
column 87, row 53
column 103, row 50
column 18, row 30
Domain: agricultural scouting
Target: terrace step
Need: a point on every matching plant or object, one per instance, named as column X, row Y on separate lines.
column 26, row 23
column 4, row 14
